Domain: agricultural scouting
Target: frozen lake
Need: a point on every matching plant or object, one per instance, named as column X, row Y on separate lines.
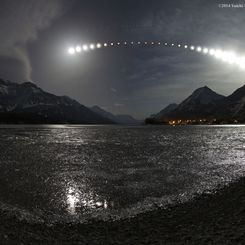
column 60, row 173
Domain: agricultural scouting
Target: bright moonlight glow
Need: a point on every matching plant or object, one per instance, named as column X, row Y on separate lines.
column 212, row 52
column 205, row 50
column 218, row 53
column 231, row 58
column 71, row 50
column 78, row 49
column 223, row 55
column 85, row 47
column 241, row 62
column 199, row 49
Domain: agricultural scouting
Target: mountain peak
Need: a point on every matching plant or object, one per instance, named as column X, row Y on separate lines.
column 238, row 94
column 203, row 95
column 29, row 83
column 96, row 107
column 22, row 99
column 5, row 82
column 205, row 103
column 121, row 119
column 172, row 105
column 204, row 89
column 166, row 110
column 198, row 104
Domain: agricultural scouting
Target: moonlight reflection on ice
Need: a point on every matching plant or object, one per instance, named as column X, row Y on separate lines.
column 76, row 200
column 72, row 200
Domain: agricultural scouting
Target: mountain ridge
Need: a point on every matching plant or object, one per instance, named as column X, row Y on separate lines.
column 28, row 99
column 120, row 119
column 199, row 104
column 204, row 103
column 165, row 110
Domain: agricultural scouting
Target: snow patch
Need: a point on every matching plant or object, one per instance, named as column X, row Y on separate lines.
column 4, row 89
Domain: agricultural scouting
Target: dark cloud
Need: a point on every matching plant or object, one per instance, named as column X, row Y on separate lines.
column 20, row 23
column 7, row 65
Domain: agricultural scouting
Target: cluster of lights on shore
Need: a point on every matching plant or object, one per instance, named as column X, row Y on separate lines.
column 223, row 55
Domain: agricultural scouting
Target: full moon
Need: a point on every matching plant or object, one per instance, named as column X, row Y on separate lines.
column 71, row 50
column 223, row 55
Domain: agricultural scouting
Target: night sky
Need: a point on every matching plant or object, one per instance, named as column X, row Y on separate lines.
column 35, row 36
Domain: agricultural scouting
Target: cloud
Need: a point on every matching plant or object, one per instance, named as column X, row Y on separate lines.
column 113, row 90
column 164, row 75
column 118, row 104
column 20, row 24
column 197, row 21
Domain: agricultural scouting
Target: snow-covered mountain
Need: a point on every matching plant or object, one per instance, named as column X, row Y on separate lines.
column 120, row 119
column 104, row 113
column 233, row 106
column 205, row 103
column 127, row 119
column 31, row 101
column 166, row 110
column 199, row 104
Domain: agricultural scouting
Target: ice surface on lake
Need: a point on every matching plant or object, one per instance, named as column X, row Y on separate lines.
column 79, row 172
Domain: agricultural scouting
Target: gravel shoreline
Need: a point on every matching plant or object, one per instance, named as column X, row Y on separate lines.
column 208, row 219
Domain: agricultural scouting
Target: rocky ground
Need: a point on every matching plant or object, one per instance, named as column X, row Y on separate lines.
column 209, row 219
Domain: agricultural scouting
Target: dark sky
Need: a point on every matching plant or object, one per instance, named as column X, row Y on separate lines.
column 140, row 81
